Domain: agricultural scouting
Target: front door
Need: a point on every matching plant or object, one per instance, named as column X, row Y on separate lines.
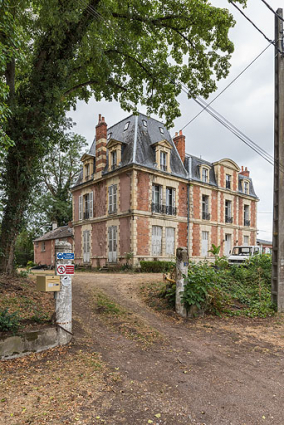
column 228, row 240
column 112, row 244
column 86, row 236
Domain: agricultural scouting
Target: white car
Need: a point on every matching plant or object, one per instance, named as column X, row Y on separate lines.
column 240, row 254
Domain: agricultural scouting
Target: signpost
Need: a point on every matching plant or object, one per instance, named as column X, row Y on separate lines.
column 65, row 256
column 64, row 269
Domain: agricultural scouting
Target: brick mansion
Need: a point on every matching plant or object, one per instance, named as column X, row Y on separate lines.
column 139, row 192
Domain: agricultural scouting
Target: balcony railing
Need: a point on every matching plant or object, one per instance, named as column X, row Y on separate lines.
column 163, row 209
column 86, row 215
column 112, row 210
column 205, row 215
column 246, row 222
column 228, row 219
column 163, row 167
column 228, row 185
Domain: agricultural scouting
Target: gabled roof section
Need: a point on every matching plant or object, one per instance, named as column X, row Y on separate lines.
column 193, row 165
column 251, row 188
column 229, row 163
column 58, row 233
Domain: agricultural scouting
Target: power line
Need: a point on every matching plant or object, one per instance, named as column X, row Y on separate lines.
column 272, row 10
column 267, row 157
column 255, row 26
column 235, row 79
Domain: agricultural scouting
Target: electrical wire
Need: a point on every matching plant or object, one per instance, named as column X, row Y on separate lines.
column 255, row 26
column 222, row 120
column 272, row 10
column 235, row 79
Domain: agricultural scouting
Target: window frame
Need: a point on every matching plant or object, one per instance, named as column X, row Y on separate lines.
column 112, row 199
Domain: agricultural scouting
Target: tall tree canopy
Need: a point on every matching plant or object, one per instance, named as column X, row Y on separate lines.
column 53, row 52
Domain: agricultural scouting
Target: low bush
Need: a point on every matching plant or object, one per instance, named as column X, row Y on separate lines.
column 9, row 322
column 156, row 266
column 235, row 290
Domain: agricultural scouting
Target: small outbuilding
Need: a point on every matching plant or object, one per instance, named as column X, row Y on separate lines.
column 44, row 246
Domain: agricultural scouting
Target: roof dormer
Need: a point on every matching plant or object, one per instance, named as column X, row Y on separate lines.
column 163, row 155
column 88, row 166
column 114, row 148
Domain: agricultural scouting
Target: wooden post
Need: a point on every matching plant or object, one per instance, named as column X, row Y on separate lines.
column 277, row 284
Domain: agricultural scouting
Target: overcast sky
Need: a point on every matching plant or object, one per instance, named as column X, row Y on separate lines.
column 248, row 104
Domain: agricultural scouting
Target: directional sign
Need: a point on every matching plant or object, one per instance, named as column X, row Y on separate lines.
column 65, row 256
column 64, row 269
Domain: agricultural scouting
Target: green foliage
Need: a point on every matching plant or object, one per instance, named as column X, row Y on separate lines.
column 24, row 273
column 233, row 290
column 147, row 50
column 156, row 266
column 40, row 317
column 169, row 293
column 24, row 249
column 9, row 322
column 215, row 249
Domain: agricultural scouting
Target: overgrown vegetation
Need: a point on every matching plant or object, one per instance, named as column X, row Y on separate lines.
column 156, row 266
column 234, row 290
column 222, row 289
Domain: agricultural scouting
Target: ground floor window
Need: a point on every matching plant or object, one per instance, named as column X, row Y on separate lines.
column 170, row 240
column 246, row 240
column 228, row 244
column 204, row 244
column 156, row 240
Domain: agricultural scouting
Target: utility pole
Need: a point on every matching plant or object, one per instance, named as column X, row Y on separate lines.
column 277, row 284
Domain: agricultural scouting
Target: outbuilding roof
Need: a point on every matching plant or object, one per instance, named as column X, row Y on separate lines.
column 58, row 233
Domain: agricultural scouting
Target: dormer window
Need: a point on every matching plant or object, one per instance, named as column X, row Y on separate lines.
column 228, row 181
column 87, row 171
column 126, row 126
column 204, row 174
column 246, row 187
column 163, row 161
column 109, row 136
column 113, row 159
column 145, row 124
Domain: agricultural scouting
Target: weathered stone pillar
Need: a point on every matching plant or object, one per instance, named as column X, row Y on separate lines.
column 181, row 270
column 63, row 298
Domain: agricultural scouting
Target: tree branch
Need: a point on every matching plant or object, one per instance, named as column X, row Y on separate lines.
column 90, row 82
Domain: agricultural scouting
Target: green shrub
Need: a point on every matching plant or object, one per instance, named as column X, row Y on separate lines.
column 156, row 266
column 217, row 289
column 9, row 322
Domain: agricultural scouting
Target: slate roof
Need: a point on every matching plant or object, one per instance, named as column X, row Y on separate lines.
column 58, row 233
column 138, row 142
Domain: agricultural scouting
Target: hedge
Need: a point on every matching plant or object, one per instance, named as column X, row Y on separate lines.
column 156, row 266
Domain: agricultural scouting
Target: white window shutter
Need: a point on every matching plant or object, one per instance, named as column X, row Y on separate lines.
column 81, row 207
column 91, row 205
column 109, row 199
column 114, row 198
column 161, row 195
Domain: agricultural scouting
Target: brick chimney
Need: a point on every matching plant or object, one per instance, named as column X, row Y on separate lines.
column 101, row 142
column 179, row 141
column 244, row 172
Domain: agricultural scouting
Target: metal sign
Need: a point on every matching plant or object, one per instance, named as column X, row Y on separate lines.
column 65, row 256
column 65, row 269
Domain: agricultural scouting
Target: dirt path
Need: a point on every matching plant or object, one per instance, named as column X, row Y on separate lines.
column 205, row 371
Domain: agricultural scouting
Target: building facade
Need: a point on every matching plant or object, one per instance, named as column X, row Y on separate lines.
column 44, row 246
column 140, row 193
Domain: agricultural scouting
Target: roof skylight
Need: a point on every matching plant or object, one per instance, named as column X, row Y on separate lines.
column 126, row 126
column 161, row 130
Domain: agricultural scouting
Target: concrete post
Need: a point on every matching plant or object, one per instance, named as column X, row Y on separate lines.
column 181, row 270
column 63, row 298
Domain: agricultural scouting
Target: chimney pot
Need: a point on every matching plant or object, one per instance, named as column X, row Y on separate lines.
column 180, row 132
column 103, row 119
column 100, row 118
column 246, row 168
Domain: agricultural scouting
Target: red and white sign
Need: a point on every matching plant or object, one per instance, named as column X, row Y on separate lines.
column 63, row 269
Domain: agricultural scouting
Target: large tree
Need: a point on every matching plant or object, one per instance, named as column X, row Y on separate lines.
column 134, row 51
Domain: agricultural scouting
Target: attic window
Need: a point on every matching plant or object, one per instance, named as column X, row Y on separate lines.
column 109, row 136
column 144, row 122
column 126, row 126
column 161, row 130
